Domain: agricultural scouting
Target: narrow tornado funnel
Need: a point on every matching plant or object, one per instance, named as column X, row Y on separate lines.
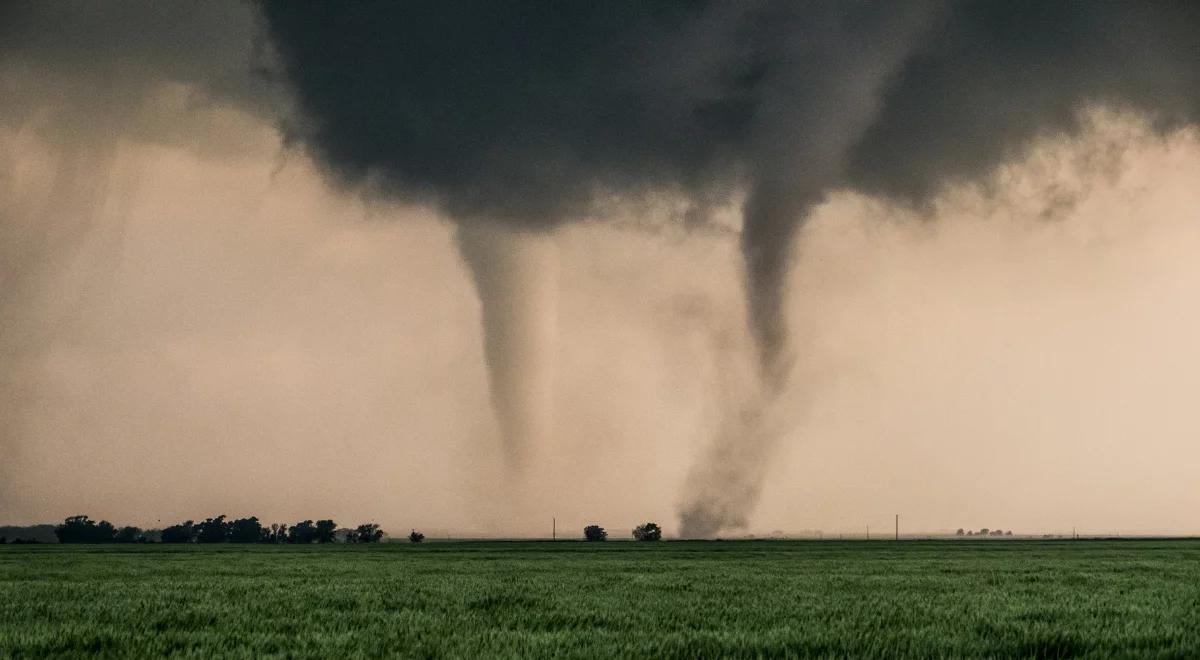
column 516, row 277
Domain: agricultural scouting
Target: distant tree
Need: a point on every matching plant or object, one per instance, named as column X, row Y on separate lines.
column 1008, row 533
column 184, row 532
column 595, row 533
column 416, row 537
column 212, row 530
column 984, row 531
column 128, row 534
column 245, row 530
column 647, row 532
column 276, row 533
column 365, row 533
column 960, row 532
column 304, row 532
column 81, row 529
column 324, row 531
column 74, row 529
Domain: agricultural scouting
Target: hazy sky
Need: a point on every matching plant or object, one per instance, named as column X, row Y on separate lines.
column 197, row 317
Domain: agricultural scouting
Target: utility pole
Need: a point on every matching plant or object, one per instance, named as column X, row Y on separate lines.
column 868, row 532
column 554, row 529
column 897, row 527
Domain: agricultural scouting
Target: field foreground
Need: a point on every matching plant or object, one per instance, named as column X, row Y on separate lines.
column 678, row 599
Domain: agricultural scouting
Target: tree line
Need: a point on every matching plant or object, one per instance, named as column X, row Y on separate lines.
column 82, row 529
column 982, row 532
column 219, row 529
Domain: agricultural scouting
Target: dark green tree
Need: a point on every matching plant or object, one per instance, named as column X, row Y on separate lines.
column 416, row 537
column 324, row 531
column 302, row 532
column 184, row 532
column 105, row 532
column 212, row 530
column 246, row 530
column 647, row 532
column 595, row 533
column 128, row 534
column 81, row 529
column 366, row 533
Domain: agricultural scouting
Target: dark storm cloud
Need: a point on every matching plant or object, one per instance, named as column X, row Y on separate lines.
column 537, row 113
column 991, row 76
column 533, row 112
column 519, row 111
column 98, row 59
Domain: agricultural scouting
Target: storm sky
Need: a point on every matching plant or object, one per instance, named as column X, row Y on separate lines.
column 728, row 266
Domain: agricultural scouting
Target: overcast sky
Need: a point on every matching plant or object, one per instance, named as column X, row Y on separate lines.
column 829, row 266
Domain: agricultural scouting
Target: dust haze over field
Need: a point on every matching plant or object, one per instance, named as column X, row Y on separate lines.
column 265, row 269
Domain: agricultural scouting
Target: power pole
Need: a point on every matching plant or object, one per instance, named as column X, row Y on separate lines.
column 554, row 529
column 897, row 527
column 868, row 532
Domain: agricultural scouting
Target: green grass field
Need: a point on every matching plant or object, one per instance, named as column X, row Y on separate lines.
column 618, row 599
